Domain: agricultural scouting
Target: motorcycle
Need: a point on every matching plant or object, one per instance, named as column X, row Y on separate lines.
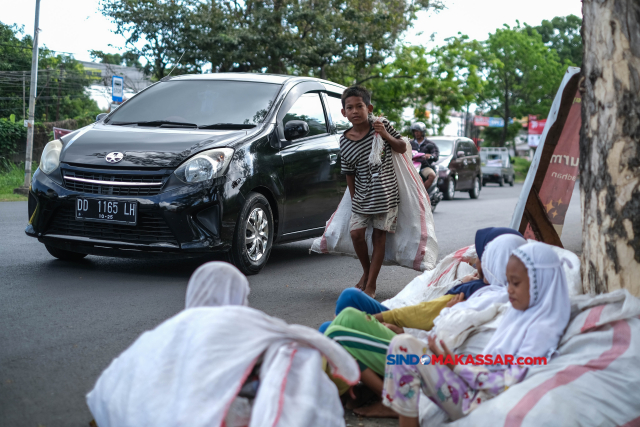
column 435, row 195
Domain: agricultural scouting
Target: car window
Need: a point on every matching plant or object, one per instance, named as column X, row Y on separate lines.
column 335, row 108
column 201, row 102
column 308, row 108
column 444, row 146
column 473, row 151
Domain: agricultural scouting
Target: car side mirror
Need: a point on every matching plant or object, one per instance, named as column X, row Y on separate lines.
column 295, row 129
column 460, row 154
column 101, row 116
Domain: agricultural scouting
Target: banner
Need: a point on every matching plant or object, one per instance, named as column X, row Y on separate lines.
column 481, row 121
column 557, row 186
column 59, row 132
column 496, row 122
column 533, row 140
column 536, row 126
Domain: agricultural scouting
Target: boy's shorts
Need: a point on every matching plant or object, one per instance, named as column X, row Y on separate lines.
column 386, row 221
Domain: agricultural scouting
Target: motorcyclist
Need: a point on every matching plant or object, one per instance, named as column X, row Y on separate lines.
column 430, row 153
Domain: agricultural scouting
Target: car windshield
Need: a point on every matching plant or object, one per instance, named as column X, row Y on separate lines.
column 216, row 104
column 444, row 146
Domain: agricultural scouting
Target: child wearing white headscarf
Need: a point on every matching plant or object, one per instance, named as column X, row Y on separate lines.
column 531, row 332
column 217, row 283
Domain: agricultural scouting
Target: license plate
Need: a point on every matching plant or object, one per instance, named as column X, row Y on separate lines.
column 102, row 210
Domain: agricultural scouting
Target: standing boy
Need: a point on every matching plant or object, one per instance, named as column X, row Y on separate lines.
column 373, row 188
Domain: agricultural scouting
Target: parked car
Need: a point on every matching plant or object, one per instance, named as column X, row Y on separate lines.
column 496, row 166
column 459, row 166
column 192, row 165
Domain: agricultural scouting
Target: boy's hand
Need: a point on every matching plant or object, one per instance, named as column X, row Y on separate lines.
column 379, row 127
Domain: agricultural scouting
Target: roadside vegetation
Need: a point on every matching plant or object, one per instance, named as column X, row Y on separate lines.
column 521, row 168
column 11, row 176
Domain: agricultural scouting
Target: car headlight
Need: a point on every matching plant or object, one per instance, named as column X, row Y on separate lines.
column 50, row 159
column 204, row 166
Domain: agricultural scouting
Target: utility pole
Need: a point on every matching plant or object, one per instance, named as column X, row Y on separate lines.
column 24, row 109
column 32, row 100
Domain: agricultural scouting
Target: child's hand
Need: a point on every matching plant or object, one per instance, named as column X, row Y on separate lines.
column 437, row 351
column 470, row 277
column 378, row 126
column 394, row 328
column 456, row 299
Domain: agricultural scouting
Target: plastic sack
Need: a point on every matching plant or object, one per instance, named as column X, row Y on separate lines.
column 413, row 245
column 377, row 145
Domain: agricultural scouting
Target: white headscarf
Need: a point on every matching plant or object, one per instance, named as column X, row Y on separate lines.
column 536, row 331
column 494, row 266
column 217, row 283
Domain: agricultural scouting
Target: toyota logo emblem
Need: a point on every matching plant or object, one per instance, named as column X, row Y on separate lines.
column 114, row 157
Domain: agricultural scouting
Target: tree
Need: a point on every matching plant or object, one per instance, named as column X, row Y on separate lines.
column 62, row 81
column 610, row 146
column 129, row 58
column 154, row 29
column 562, row 33
column 523, row 75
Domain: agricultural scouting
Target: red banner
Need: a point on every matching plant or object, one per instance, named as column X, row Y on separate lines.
column 481, row 121
column 558, row 183
column 536, row 126
column 59, row 133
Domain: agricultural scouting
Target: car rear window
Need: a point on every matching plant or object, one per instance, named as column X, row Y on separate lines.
column 201, row 102
column 444, row 146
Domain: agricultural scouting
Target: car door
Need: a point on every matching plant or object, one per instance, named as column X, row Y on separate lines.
column 460, row 166
column 338, row 124
column 473, row 161
column 311, row 167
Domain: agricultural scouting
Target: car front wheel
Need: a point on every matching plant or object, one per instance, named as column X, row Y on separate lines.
column 450, row 192
column 253, row 236
column 63, row 254
column 474, row 193
column 513, row 178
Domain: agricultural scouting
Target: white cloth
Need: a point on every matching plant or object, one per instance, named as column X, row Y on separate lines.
column 189, row 369
column 494, row 267
column 535, row 331
column 217, row 283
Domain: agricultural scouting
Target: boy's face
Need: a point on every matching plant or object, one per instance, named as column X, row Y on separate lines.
column 356, row 111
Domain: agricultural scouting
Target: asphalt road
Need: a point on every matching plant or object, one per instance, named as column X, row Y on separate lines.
column 62, row 323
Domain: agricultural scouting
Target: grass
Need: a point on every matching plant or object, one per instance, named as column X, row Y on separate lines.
column 11, row 176
column 521, row 168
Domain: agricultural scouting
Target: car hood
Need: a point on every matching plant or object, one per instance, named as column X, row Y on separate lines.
column 142, row 147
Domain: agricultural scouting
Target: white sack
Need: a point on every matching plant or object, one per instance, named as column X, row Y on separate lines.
column 413, row 245
column 435, row 283
column 592, row 381
column 188, row 370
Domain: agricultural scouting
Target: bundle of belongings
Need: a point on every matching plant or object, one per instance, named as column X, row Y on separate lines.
column 221, row 363
column 591, row 377
column 413, row 245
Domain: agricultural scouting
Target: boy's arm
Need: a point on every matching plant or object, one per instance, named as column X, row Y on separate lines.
column 351, row 183
column 397, row 144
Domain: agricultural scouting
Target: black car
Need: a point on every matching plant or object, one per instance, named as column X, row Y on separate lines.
column 195, row 164
column 458, row 167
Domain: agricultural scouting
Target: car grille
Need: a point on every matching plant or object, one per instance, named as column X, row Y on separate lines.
column 132, row 185
column 151, row 228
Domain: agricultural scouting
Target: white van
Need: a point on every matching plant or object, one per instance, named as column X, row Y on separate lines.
column 496, row 166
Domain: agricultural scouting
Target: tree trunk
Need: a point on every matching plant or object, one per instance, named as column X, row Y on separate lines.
column 610, row 146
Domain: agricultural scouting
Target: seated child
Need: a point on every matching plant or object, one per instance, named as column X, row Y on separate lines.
column 367, row 337
column 532, row 327
column 425, row 312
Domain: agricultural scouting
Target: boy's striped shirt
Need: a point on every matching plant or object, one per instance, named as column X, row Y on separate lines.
column 376, row 186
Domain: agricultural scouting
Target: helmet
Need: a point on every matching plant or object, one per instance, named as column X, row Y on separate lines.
column 420, row 127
